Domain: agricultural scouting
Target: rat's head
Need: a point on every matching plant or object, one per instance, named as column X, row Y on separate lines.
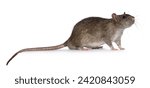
column 124, row 20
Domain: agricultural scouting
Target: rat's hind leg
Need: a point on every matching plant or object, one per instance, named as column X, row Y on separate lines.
column 84, row 48
column 78, row 47
column 100, row 47
column 73, row 48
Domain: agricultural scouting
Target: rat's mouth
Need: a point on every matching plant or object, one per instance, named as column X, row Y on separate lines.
column 129, row 23
column 133, row 19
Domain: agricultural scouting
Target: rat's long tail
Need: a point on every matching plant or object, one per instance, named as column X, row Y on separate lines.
column 37, row 49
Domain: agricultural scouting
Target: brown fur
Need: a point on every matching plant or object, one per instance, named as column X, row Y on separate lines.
column 91, row 33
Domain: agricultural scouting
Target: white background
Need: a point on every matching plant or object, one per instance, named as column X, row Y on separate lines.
column 32, row 23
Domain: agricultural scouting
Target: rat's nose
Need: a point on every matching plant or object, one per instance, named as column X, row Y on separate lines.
column 133, row 18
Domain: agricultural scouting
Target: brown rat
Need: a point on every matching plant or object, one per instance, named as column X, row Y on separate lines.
column 91, row 33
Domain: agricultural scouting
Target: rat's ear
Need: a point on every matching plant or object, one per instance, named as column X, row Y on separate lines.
column 114, row 17
column 124, row 12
